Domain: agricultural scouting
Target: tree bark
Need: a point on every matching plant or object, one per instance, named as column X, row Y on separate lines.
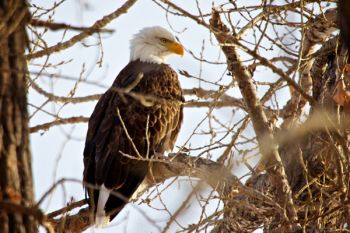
column 16, row 185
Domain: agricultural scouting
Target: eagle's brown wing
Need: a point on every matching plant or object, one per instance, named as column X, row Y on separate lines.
column 137, row 131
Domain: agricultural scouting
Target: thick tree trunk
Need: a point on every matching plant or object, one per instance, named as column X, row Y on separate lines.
column 15, row 159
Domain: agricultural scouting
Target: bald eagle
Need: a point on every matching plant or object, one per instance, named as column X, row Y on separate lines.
column 139, row 116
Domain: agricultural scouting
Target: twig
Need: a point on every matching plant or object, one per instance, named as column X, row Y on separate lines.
column 67, row 208
column 62, row 26
column 185, row 13
column 64, row 121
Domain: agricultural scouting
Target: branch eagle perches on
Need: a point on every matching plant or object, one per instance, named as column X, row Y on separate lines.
column 214, row 174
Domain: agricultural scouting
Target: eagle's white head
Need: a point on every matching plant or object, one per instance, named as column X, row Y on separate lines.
column 154, row 44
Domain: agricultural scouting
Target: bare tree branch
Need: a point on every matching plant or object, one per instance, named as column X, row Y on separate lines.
column 269, row 149
column 94, row 28
column 63, row 121
column 62, row 26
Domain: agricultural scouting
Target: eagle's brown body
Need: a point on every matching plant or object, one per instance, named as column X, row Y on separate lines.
column 107, row 139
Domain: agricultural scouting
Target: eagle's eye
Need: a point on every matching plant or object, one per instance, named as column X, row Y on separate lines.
column 163, row 40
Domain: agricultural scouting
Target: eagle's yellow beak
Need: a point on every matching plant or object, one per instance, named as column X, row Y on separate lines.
column 176, row 48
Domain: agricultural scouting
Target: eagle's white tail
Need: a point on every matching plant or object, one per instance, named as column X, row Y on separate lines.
column 101, row 219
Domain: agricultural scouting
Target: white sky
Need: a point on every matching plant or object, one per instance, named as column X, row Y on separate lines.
column 51, row 148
